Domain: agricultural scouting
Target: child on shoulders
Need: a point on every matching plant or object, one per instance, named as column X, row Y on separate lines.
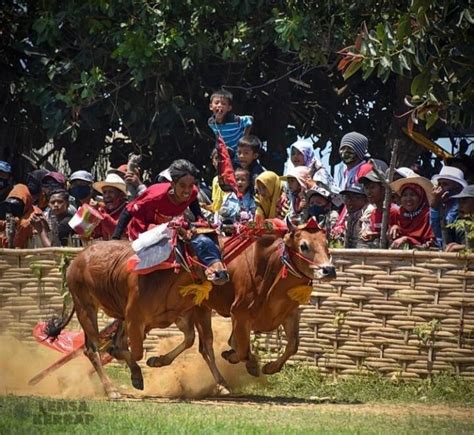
column 247, row 202
column 248, row 152
column 224, row 122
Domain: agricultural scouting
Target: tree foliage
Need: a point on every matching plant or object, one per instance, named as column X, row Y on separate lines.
column 75, row 71
column 431, row 43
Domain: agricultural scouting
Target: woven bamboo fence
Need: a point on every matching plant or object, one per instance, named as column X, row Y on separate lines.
column 31, row 287
column 398, row 313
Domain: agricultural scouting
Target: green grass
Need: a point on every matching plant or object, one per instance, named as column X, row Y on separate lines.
column 303, row 382
column 23, row 415
column 297, row 400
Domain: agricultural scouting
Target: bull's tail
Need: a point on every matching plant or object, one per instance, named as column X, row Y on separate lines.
column 56, row 324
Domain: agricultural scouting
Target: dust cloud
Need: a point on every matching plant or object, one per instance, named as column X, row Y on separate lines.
column 188, row 376
column 20, row 361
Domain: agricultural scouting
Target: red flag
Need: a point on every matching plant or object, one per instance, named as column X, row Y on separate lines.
column 225, row 170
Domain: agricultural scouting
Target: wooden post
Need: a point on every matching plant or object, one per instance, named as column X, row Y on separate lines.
column 388, row 196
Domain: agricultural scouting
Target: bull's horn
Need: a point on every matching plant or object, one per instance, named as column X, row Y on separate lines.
column 290, row 225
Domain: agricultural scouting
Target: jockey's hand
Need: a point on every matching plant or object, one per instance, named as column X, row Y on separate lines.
column 132, row 179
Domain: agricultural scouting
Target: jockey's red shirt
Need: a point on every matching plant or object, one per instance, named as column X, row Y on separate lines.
column 154, row 207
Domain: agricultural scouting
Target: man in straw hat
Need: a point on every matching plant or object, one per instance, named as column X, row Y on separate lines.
column 466, row 213
column 114, row 193
column 444, row 207
column 413, row 228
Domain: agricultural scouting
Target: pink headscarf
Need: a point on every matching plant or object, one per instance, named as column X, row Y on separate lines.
column 303, row 175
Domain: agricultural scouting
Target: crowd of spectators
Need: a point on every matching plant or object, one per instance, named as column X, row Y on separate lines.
column 50, row 209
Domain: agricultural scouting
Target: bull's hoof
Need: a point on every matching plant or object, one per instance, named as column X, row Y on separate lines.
column 137, row 383
column 114, row 395
column 157, row 361
column 252, row 368
column 270, row 368
column 222, row 390
column 230, row 356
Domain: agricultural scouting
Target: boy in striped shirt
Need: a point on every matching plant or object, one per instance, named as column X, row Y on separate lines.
column 225, row 123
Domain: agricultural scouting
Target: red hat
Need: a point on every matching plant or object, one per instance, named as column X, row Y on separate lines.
column 56, row 176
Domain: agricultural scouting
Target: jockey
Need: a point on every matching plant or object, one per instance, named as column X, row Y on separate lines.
column 160, row 203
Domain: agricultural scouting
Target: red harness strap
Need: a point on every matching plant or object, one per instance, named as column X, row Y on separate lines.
column 247, row 235
column 238, row 243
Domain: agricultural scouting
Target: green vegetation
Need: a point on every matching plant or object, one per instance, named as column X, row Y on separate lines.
column 303, row 382
column 74, row 71
column 32, row 415
column 297, row 400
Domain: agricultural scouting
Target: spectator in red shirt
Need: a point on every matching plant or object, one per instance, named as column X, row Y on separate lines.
column 114, row 194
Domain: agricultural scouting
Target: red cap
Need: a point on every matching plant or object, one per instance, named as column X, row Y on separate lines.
column 56, row 176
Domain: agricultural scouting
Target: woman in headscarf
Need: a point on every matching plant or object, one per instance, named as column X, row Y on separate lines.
column 270, row 198
column 302, row 154
column 413, row 227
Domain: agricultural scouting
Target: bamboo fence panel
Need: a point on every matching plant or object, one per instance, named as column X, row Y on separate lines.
column 403, row 314
column 30, row 292
column 408, row 314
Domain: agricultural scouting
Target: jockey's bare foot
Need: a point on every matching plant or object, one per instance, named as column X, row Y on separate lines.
column 217, row 273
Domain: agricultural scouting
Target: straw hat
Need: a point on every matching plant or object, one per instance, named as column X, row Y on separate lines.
column 112, row 180
column 424, row 183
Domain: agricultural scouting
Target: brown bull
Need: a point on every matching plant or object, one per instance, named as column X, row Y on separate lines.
column 98, row 278
column 267, row 294
column 260, row 298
